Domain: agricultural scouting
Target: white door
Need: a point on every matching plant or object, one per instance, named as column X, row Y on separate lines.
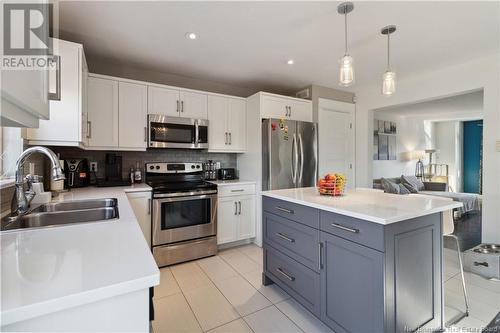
column 246, row 210
column 65, row 114
column 336, row 139
column 274, row 107
column 163, row 101
column 102, row 112
column 227, row 220
column 301, row 111
column 193, row 105
column 132, row 105
column 217, row 118
column 237, row 118
column 141, row 205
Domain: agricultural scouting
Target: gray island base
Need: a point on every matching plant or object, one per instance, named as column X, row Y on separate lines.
column 353, row 274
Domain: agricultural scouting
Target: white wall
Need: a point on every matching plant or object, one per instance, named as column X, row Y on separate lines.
column 481, row 73
column 448, row 142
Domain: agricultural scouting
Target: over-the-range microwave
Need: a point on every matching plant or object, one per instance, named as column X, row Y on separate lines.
column 176, row 132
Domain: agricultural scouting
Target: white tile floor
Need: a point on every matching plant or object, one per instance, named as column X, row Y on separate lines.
column 225, row 294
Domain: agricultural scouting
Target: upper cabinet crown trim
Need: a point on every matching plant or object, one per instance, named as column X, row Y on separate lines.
column 263, row 93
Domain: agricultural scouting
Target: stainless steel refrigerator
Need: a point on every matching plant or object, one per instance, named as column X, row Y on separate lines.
column 289, row 154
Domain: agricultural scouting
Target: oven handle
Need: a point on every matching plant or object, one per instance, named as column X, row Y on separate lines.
column 196, row 132
column 189, row 198
column 196, row 194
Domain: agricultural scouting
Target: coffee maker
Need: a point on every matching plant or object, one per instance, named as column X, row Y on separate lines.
column 76, row 172
column 113, row 172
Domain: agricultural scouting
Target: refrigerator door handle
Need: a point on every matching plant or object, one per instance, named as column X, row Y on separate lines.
column 295, row 156
column 301, row 163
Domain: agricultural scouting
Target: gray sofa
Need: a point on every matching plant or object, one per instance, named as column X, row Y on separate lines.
column 429, row 186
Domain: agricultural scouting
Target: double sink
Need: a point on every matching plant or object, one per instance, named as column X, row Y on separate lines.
column 65, row 212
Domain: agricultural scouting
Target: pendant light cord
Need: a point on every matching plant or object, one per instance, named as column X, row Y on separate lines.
column 345, row 28
column 388, row 52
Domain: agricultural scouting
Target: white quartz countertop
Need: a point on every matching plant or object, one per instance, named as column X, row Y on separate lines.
column 232, row 182
column 54, row 268
column 367, row 204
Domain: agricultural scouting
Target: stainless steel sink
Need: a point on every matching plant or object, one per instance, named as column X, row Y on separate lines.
column 61, row 213
column 76, row 205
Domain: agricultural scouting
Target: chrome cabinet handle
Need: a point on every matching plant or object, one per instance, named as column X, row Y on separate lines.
column 182, row 106
column 238, row 190
column 280, row 235
column 289, row 277
column 239, row 207
column 178, row 107
column 289, row 111
column 230, row 139
column 57, row 95
column 89, row 129
column 289, row 211
column 235, row 208
column 320, row 256
column 339, row 226
column 484, row 263
column 225, row 138
column 149, row 206
column 145, row 134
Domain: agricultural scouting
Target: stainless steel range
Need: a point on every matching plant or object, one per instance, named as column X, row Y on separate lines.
column 184, row 212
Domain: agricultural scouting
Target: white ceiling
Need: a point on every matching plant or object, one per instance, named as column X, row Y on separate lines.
column 248, row 43
column 470, row 104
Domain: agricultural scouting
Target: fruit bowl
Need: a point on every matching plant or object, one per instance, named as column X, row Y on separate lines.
column 332, row 184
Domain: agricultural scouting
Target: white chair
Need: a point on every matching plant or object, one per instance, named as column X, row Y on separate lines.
column 448, row 228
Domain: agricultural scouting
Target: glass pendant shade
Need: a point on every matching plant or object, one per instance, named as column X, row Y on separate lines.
column 388, row 83
column 346, row 74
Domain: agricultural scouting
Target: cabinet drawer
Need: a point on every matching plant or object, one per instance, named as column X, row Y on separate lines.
column 296, row 240
column 298, row 213
column 296, row 279
column 226, row 191
column 362, row 232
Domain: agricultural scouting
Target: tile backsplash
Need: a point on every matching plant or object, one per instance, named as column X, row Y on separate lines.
column 129, row 158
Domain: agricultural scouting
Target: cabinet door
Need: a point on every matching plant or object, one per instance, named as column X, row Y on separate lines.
column 301, row 111
column 217, row 118
column 141, row 205
column 102, row 112
column 246, row 211
column 274, row 107
column 63, row 126
column 193, row 105
column 237, row 124
column 227, row 220
column 352, row 287
column 132, row 106
column 163, row 101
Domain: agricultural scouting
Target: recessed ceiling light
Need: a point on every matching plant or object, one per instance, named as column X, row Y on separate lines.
column 191, row 35
column 290, row 62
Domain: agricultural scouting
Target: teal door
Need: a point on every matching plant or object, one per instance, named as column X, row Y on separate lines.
column 472, row 159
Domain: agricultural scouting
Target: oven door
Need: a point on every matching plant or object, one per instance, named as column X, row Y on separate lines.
column 175, row 132
column 181, row 218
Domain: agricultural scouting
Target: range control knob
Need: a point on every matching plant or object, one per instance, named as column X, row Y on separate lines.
column 198, row 166
column 151, row 167
column 157, row 167
column 192, row 166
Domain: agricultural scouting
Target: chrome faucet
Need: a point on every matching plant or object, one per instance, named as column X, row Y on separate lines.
column 22, row 199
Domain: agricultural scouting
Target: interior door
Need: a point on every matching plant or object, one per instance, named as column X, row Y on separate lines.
column 307, row 140
column 283, row 154
column 163, row 101
column 132, row 103
column 217, row 118
column 336, row 139
column 103, row 112
column 237, row 124
column 193, row 105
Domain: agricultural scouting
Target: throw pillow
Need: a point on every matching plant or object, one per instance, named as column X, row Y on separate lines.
column 412, row 183
column 403, row 189
column 389, row 186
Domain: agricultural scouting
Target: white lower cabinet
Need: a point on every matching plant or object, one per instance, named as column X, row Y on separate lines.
column 235, row 216
column 141, row 205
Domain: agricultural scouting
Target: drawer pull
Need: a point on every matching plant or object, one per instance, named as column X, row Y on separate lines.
column 289, row 277
column 289, row 211
column 339, row 226
column 238, row 190
column 280, row 235
column 484, row 263
column 320, row 256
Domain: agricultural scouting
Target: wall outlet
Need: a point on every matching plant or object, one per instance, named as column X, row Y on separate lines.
column 93, row 166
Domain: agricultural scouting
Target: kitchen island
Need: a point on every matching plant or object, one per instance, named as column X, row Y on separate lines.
column 83, row 277
column 364, row 262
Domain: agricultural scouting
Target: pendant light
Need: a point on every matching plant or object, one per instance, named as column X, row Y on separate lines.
column 346, row 73
column 389, row 77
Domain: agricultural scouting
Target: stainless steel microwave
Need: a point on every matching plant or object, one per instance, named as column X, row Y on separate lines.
column 176, row 132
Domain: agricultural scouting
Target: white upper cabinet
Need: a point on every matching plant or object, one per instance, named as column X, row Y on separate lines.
column 66, row 125
column 227, row 124
column 102, row 113
column 132, row 108
column 177, row 102
column 163, row 101
column 275, row 106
